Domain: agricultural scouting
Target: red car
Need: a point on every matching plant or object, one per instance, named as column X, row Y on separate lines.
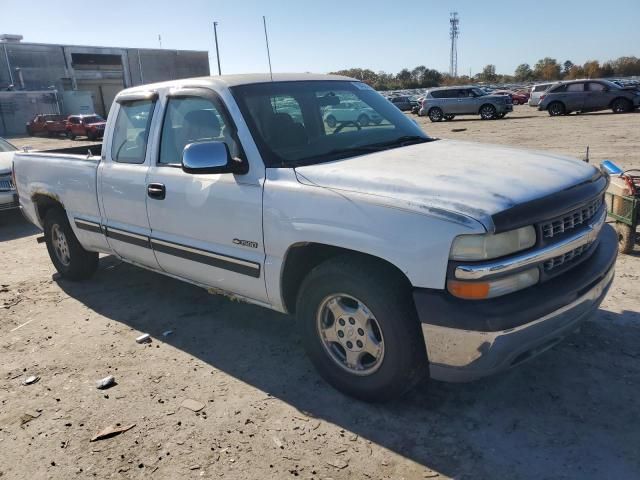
column 90, row 126
column 517, row 98
column 46, row 124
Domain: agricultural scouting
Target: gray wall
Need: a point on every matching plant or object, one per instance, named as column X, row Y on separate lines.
column 48, row 67
column 17, row 108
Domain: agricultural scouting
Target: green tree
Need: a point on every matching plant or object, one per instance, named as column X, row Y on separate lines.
column 523, row 73
column 547, row 69
column 488, row 74
column 566, row 66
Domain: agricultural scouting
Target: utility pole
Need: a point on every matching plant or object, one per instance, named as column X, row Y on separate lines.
column 215, row 34
column 454, row 31
column 160, row 40
column 266, row 38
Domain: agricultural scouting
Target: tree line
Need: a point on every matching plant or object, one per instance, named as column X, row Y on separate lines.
column 546, row 69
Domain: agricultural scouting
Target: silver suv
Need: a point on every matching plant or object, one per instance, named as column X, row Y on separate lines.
column 445, row 103
column 588, row 96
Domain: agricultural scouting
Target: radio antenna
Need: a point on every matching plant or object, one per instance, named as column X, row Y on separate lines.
column 266, row 38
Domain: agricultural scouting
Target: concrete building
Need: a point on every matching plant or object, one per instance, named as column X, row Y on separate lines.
column 44, row 78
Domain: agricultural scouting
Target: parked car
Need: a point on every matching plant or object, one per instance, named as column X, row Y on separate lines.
column 8, row 195
column 90, row 126
column 403, row 103
column 46, row 124
column 537, row 91
column 516, row 98
column 447, row 102
column 400, row 254
column 351, row 112
column 588, row 96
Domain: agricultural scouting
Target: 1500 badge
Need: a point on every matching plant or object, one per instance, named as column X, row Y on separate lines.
column 245, row 243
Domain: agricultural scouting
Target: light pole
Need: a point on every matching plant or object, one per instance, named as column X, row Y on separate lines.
column 215, row 34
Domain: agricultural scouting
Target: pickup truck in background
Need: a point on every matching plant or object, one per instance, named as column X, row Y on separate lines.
column 90, row 126
column 46, row 124
column 401, row 255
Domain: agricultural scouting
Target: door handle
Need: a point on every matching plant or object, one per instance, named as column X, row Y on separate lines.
column 157, row 191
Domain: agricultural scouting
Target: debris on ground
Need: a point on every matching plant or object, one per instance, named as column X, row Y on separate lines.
column 27, row 417
column 338, row 463
column 106, row 382
column 111, row 431
column 193, row 405
column 144, row 338
column 30, row 380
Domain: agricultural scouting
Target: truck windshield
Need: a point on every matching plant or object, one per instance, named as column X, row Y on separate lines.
column 308, row 122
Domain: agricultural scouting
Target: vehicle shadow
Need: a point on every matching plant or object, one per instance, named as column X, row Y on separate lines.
column 13, row 226
column 563, row 414
column 478, row 119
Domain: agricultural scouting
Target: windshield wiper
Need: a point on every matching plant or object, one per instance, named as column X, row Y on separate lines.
column 403, row 141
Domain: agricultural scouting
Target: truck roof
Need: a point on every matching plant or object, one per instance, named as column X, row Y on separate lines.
column 235, row 80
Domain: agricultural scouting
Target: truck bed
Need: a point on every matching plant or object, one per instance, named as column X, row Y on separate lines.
column 64, row 177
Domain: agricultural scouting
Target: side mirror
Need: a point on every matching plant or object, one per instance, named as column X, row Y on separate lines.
column 210, row 157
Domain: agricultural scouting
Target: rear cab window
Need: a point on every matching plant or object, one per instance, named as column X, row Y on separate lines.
column 131, row 131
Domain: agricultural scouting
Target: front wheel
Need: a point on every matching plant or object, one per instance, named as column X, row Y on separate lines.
column 488, row 112
column 360, row 329
column 70, row 259
column 363, row 120
column 621, row 105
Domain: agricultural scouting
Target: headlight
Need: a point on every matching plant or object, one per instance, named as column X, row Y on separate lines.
column 493, row 288
column 485, row 247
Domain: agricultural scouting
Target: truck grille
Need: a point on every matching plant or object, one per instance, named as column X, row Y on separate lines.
column 6, row 185
column 571, row 220
column 567, row 257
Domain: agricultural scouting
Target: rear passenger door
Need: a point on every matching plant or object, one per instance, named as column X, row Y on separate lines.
column 206, row 228
column 122, row 185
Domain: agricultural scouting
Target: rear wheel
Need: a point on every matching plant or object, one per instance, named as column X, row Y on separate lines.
column 363, row 120
column 556, row 108
column 621, row 105
column 436, row 114
column 487, row 112
column 626, row 237
column 360, row 329
column 70, row 259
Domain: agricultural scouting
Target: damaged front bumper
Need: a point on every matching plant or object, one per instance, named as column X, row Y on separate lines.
column 514, row 328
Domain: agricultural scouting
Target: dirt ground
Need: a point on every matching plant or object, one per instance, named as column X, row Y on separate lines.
column 570, row 413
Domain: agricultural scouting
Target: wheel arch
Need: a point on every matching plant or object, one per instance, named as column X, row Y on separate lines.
column 302, row 258
column 43, row 202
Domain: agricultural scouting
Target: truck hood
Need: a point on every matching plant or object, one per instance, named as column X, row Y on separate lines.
column 469, row 180
column 6, row 159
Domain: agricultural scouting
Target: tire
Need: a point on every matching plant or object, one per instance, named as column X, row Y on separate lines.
column 70, row 135
column 621, row 105
column 556, row 109
column 487, row 112
column 71, row 260
column 385, row 322
column 331, row 121
column 363, row 120
column 626, row 237
column 29, row 132
column 436, row 114
column 448, row 117
column 90, row 136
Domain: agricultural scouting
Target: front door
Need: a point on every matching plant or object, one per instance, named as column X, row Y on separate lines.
column 123, row 186
column 207, row 227
column 598, row 96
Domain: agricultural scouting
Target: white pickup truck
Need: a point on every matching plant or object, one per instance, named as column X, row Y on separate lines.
column 400, row 254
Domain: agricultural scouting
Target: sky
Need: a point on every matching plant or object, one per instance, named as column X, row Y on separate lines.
column 325, row 36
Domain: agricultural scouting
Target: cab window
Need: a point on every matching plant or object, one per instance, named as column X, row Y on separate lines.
column 130, row 134
column 190, row 120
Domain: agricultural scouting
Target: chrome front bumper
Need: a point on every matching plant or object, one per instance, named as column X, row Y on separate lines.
column 457, row 355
